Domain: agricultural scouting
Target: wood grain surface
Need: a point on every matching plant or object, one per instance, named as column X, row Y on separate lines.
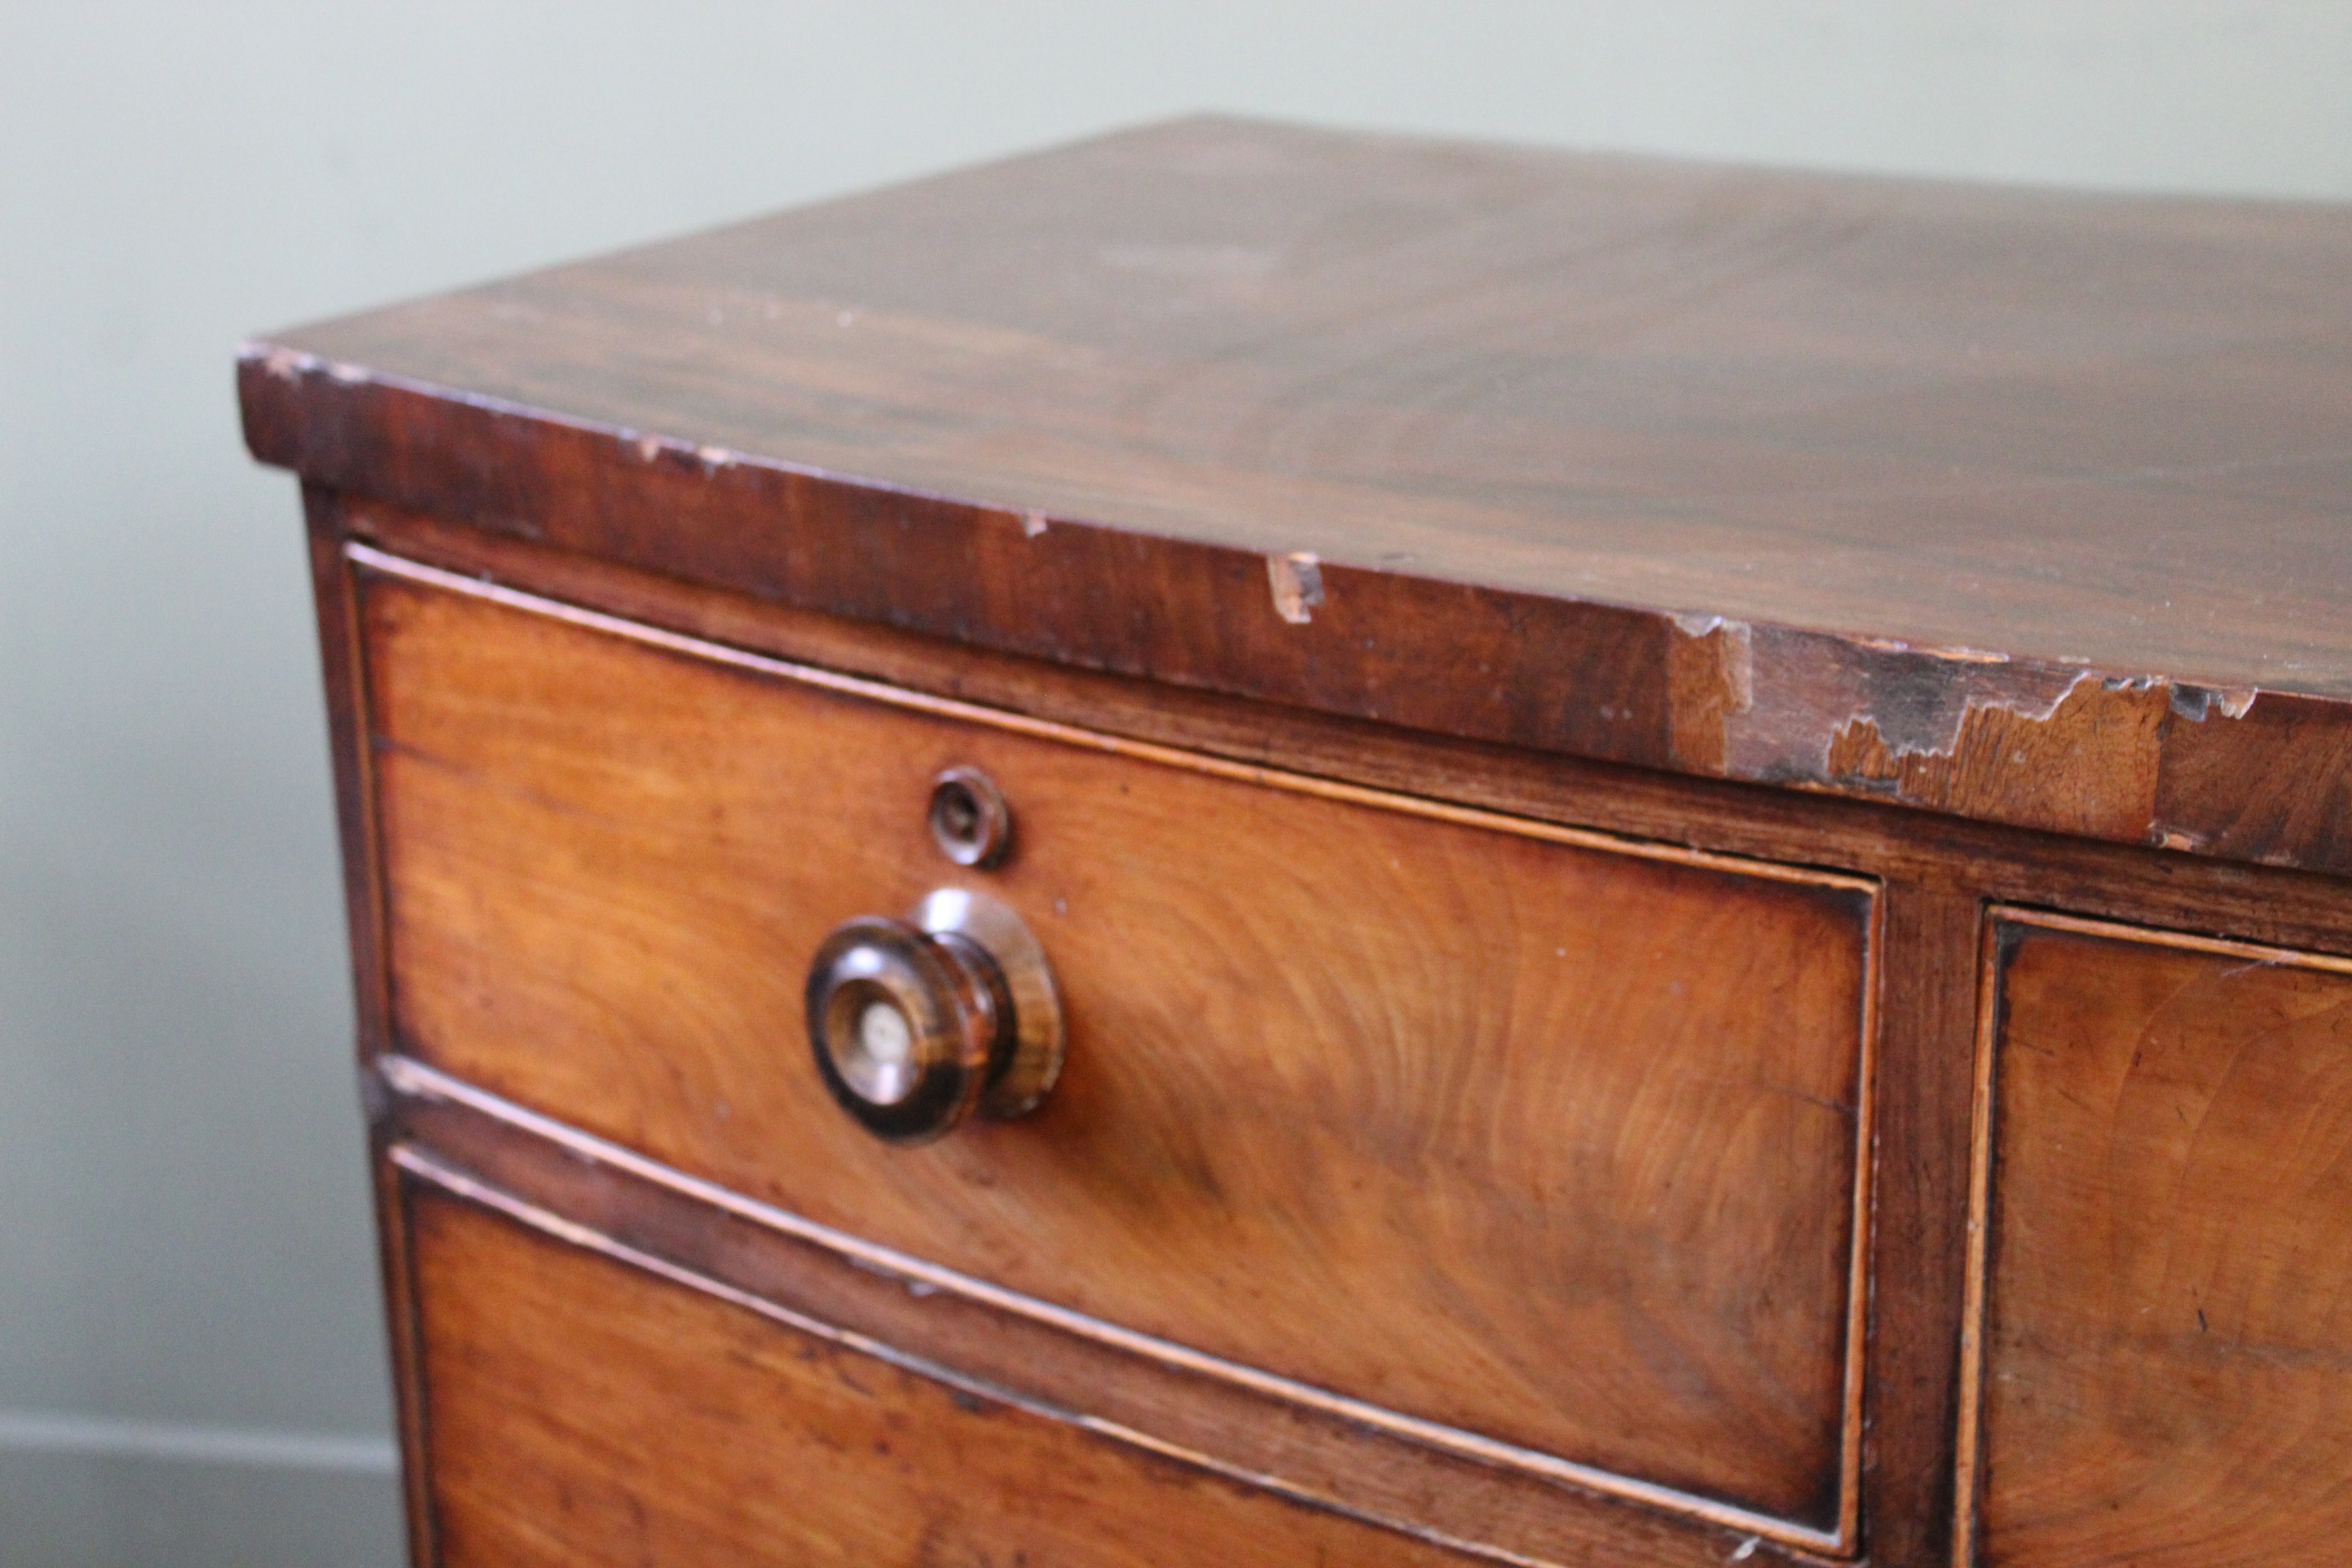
column 2164, row 1370
column 1489, row 1124
column 584, row 1413
column 1918, row 1221
column 2018, row 505
column 455, row 1137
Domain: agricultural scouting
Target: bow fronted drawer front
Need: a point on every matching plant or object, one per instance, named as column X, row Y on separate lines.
column 1522, row 1142
column 2162, row 1366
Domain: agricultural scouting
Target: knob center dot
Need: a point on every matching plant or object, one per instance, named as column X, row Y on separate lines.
column 883, row 1035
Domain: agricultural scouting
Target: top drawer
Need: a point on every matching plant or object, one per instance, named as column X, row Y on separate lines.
column 1520, row 1132
column 2158, row 1370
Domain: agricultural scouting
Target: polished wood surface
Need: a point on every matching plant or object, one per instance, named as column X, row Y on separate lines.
column 459, row 1138
column 1502, row 1127
column 586, row 1413
column 1919, row 1221
column 2019, row 506
column 2162, row 1374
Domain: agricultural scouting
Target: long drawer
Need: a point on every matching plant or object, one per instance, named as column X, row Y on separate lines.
column 1529, row 1138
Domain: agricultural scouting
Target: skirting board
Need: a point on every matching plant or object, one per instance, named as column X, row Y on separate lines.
column 101, row 1507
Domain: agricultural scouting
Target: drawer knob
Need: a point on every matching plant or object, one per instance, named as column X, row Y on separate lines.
column 917, row 1023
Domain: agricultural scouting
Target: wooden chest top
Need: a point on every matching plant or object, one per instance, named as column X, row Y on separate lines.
column 2011, row 503
column 2025, row 506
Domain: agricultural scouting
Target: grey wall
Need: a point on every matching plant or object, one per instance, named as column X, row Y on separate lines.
column 189, row 1362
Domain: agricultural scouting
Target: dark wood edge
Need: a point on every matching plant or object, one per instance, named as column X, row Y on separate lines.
column 405, row 1331
column 344, row 670
column 2267, row 954
column 1969, row 1441
column 343, row 664
column 1932, row 852
column 1918, row 1218
column 2212, row 772
column 1861, row 1236
column 593, row 1194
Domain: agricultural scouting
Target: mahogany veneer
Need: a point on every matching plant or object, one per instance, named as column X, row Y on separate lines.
column 1691, row 824
column 593, row 904
column 2165, row 1271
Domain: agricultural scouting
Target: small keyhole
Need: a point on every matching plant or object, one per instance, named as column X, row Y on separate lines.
column 960, row 814
column 969, row 818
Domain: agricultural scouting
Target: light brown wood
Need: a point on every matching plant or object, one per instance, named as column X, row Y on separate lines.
column 585, row 1413
column 1478, row 1121
column 1943, row 871
column 2162, row 1376
column 455, row 1137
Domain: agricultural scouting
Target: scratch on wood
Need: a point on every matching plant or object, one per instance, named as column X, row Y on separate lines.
column 1033, row 523
column 1733, row 656
column 1298, row 580
column 1711, row 672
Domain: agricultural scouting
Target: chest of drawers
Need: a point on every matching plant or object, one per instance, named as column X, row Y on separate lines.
column 1250, row 846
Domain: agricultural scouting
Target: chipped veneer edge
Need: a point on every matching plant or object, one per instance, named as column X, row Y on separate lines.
column 1776, row 743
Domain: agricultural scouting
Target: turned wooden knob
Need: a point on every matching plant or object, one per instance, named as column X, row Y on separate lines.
column 920, row 1022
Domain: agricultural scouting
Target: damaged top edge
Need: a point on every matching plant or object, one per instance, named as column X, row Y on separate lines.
column 2059, row 745
column 1919, row 701
column 2042, row 743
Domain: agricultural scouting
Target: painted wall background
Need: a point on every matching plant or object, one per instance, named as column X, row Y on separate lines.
column 189, row 1366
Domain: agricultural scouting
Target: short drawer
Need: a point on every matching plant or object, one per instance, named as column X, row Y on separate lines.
column 1528, row 1138
column 2160, row 1364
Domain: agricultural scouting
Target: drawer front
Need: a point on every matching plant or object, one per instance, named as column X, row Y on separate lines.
column 580, row 1412
column 2162, row 1370
column 1511, row 1131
